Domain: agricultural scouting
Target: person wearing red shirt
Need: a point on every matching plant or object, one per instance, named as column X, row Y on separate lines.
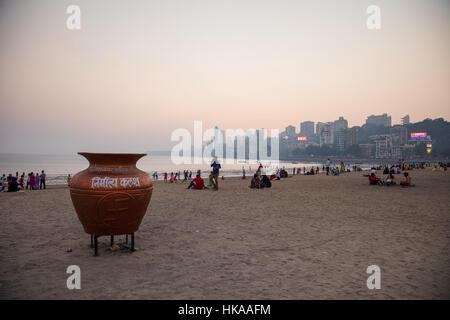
column 198, row 183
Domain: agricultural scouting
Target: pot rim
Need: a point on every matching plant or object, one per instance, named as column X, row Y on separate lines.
column 112, row 159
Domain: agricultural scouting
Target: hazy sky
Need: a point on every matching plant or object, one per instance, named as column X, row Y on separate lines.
column 137, row 70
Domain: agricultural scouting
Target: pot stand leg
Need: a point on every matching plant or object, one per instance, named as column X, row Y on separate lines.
column 95, row 246
column 112, row 241
column 126, row 239
column 92, row 241
column 132, row 242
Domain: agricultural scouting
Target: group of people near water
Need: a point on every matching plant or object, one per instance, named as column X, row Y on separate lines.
column 31, row 181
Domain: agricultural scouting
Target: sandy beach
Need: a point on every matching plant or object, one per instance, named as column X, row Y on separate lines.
column 308, row 237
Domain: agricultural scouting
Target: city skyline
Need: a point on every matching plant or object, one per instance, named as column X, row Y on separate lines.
column 134, row 73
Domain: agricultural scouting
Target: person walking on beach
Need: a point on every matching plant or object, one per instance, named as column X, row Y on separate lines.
column 42, row 183
column 69, row 178
column 243, row 172
column 215, row 173
column 165, row 176
column 327, row 165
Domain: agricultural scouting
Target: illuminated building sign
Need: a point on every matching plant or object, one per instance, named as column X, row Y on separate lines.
column 418, row 135
column 285, row 137
column 302, row 138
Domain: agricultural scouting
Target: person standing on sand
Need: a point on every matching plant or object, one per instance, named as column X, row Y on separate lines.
column 327, row 165
column 215, row 173
column 243, row 172
column 165, row 176
column 32, row 181
column 4, row 182
column 21, row 181
column 37, row 179
column 69, row 178
column 42, row 184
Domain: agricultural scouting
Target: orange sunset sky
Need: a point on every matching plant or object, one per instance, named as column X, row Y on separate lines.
column 137, row 70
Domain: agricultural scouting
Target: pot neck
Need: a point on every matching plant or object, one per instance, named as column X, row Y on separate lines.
column 112, row 160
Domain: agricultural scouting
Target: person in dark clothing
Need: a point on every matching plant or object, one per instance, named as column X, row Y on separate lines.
column 265, row 182
column 42, row 181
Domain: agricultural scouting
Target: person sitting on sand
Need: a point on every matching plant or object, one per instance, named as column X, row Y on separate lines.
column 255, row 183
column 407, row 181
column 374, row 180
column 198, row 183
column 278, row 174
column 265, row 182
column 390, row 180
column 13, row 186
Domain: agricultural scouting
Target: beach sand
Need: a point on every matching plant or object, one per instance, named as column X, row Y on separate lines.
column 308, row 237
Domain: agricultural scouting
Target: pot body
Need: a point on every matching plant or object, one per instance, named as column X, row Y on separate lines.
column 111, row 196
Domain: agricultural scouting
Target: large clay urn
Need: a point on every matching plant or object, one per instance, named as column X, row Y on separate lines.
column 111, row 196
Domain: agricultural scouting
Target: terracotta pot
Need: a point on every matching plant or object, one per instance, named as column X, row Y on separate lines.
column 111, row 196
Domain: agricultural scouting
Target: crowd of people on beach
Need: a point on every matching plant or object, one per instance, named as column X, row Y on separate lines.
column 398, row 168
column 260, row 179
column 31, row 181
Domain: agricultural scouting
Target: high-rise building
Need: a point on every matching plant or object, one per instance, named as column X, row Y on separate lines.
column 326, row 134
column 405, row 119
column 400, row 134
column 290, row 131
column 339, row 127
column 351, row 136
column 381, row 120
column 319, row 127
column 307, row 129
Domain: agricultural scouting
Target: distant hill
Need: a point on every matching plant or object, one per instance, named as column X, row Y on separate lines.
column 439, row 130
